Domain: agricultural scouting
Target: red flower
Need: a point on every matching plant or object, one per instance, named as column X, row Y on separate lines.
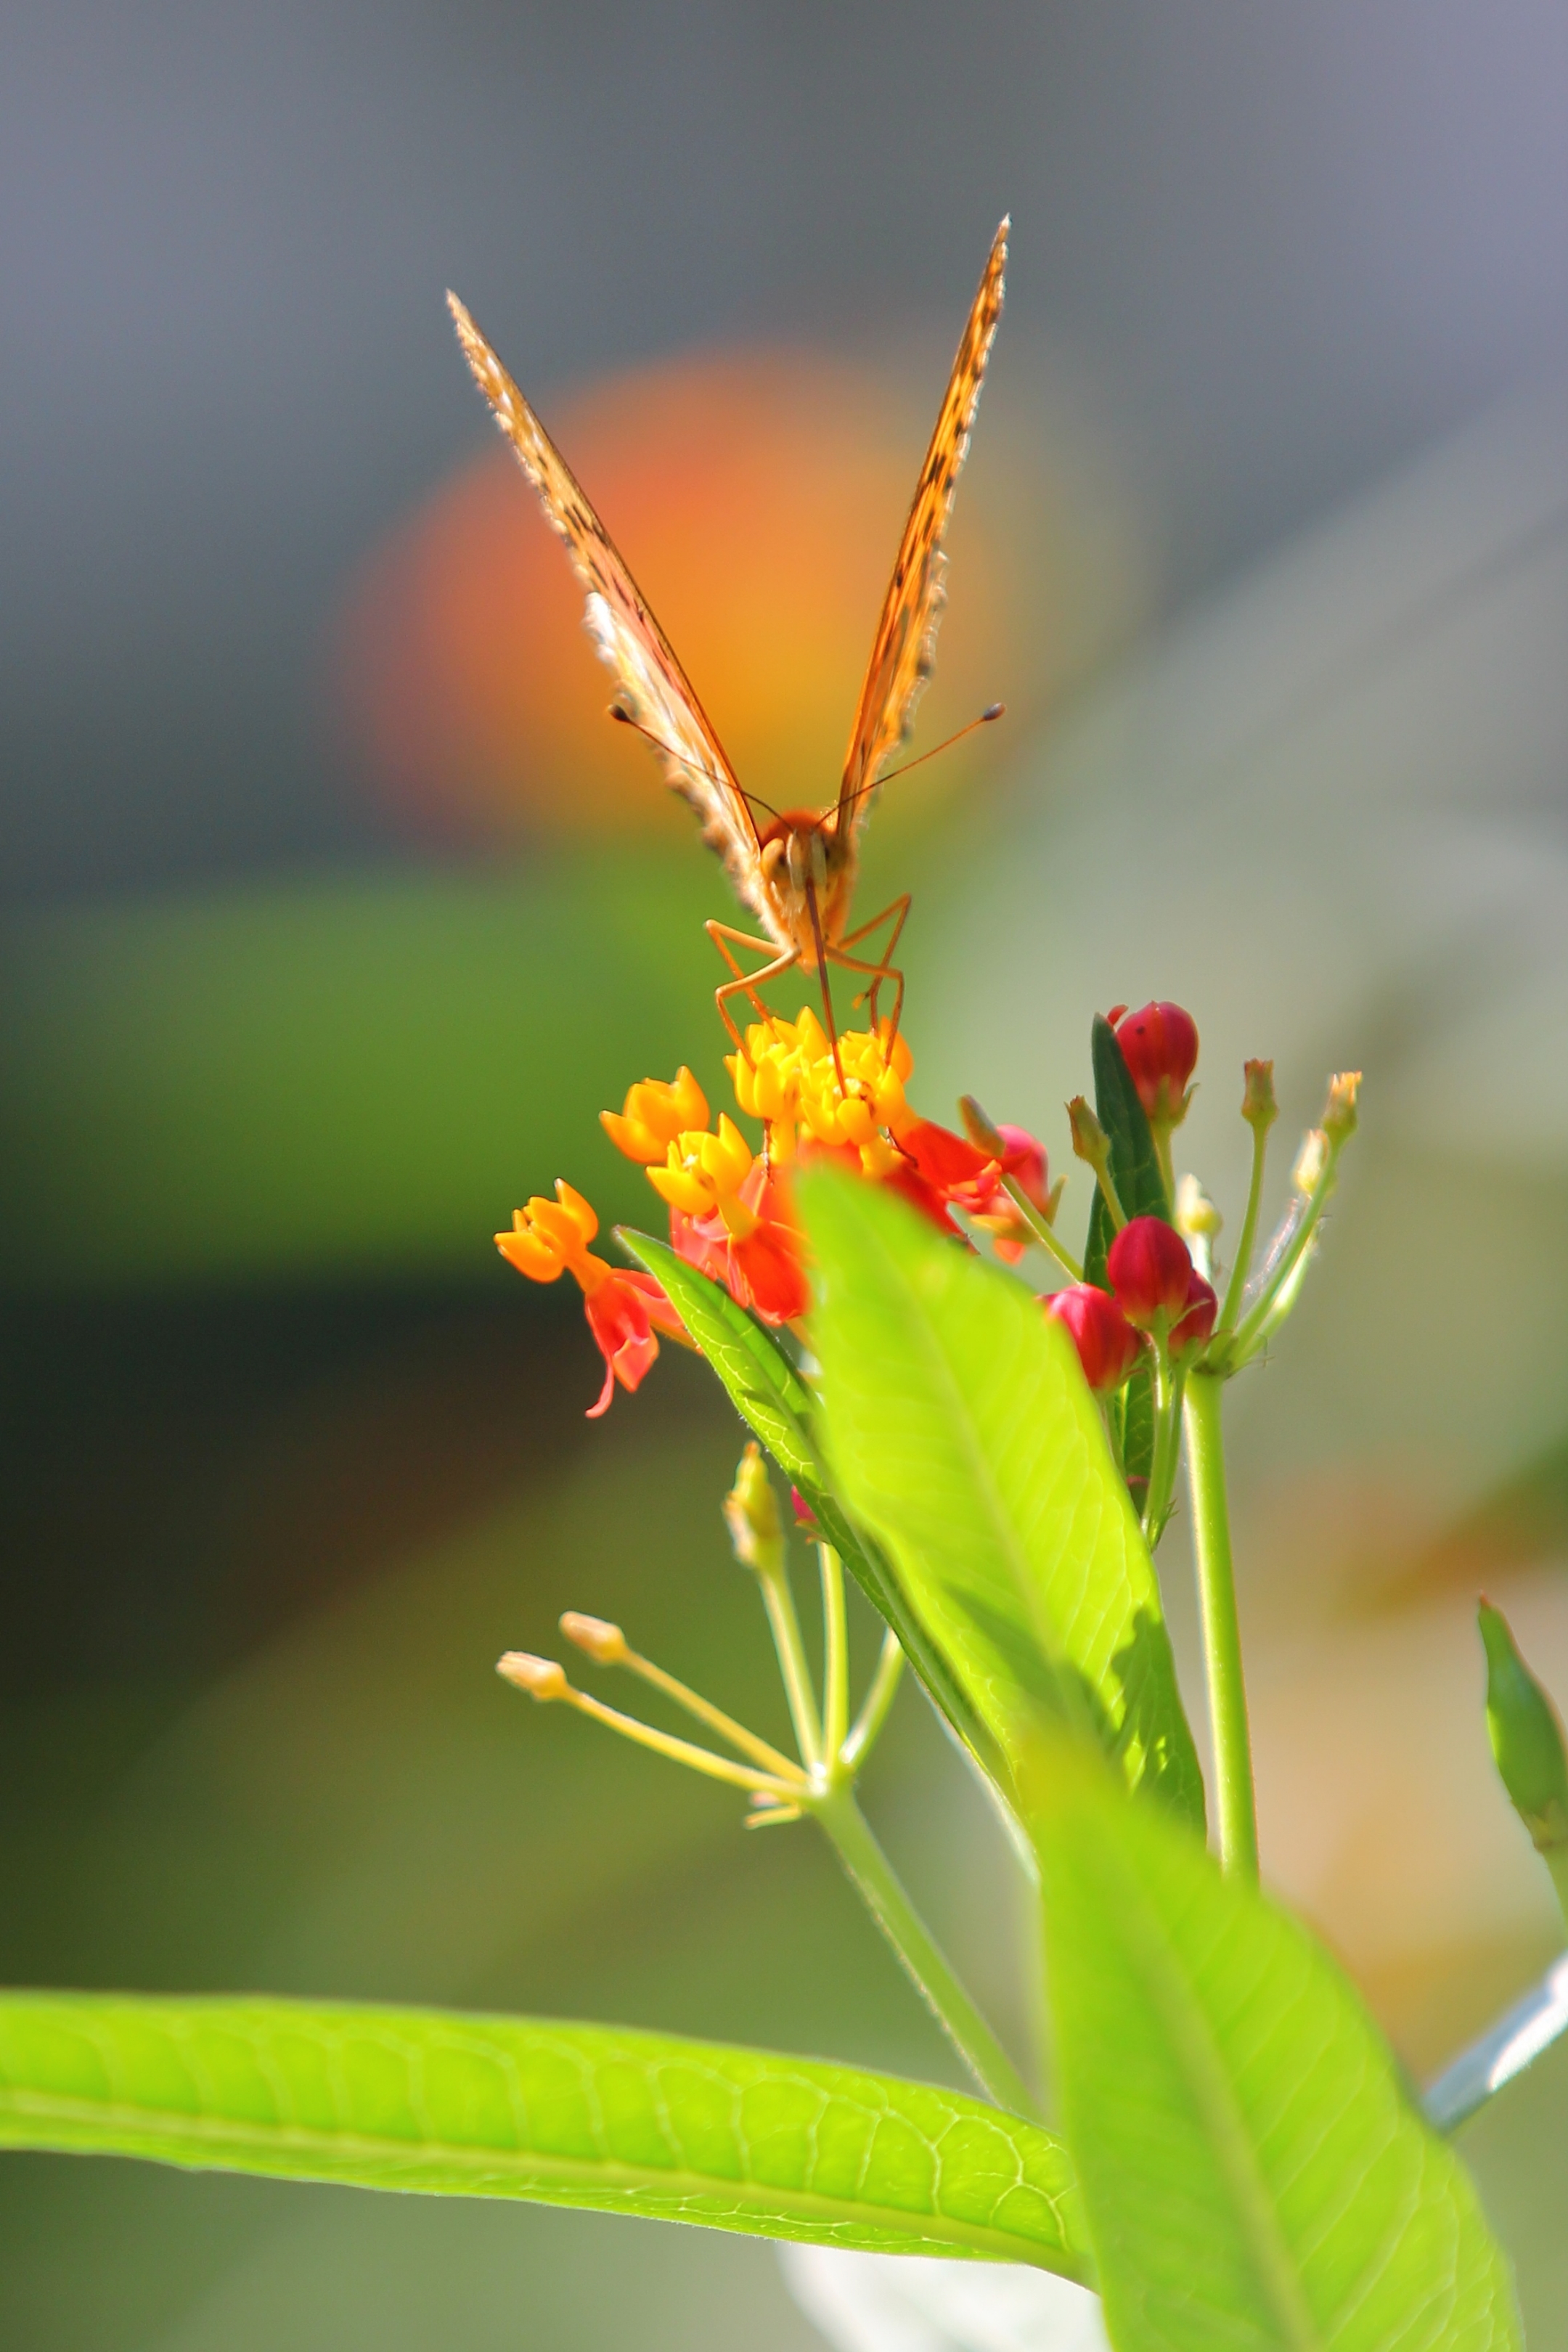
column 753, row 1250
column 1150, row 1271
column 1196, row 1326
column 1106, row 1342
column 1160, row 1046
column 623, row 1311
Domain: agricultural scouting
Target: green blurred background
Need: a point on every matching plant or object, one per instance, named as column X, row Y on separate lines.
column 332, row 913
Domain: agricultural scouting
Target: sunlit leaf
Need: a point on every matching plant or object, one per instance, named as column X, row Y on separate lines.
column 776, row 1404
column 963, row 1436
column 1254, row 2171
column 558, row 2114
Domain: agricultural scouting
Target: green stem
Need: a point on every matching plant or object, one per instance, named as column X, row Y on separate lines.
column 779, row 1602
column 836, row 1650
column 1161, row 1468
column 878, row 1700
column 1167, row 1453
column 1556, row 1860
column 1222, row 1633
column 1237, row 1283
column 1043, row 1232
column 1235, row 1351
column 884, row 1896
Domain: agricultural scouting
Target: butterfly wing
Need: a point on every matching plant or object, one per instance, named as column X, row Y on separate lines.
column 652, row 687
column 905, row 642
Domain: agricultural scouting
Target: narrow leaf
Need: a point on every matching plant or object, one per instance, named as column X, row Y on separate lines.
column 1254, row 2173
column 776, row 1405
column 1140, row 1189
column 963, row 1436
column 561, row 2115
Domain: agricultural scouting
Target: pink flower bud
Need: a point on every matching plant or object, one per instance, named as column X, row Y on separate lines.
column 1150, row 1270
column 1106, row 1342
column 1197, row 1327
column 1160, row 1046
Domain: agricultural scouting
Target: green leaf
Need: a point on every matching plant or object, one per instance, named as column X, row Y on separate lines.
column 560, row 2114
column 764, row 1387
column 963, row 1436
column 1254, row 2172
column 776, row 1405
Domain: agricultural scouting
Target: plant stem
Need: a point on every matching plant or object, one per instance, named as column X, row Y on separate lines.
column 835, row 1651
column 884, row 1896
column 1222, row 1633
column 1043, row 1232
column 1260, row 1317
column 1248, row 1235
column 1169, row 1389
column 1556, row 1860
column 779, row 1602
column 878, row 1700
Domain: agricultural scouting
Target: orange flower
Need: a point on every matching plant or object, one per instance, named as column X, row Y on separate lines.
column 625, row 1309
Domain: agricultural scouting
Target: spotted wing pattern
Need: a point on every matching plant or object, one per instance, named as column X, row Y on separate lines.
column 653, row 689
column 905, row 642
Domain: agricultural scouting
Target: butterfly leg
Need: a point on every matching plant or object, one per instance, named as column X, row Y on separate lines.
column 745, row 984
column 885, row 969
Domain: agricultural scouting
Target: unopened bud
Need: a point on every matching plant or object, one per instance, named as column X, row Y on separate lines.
column 603, row 1642
column 1196, row 1329
column 1258, row 1107
column 1160, row 1047
column 1526, row 1736
column 1311, row 1162
column 751, row 1516
column 1339, row 1111
column 1196, row 1216
column 1150, row 1270
column 1089, row 1141
column 541, row 1679
column 981, row 1129
column 1108, row 1347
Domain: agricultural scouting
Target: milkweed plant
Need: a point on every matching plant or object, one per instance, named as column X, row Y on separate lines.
column 988, row 1433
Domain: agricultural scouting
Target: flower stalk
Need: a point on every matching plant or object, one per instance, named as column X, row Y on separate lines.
column 1233, row 1797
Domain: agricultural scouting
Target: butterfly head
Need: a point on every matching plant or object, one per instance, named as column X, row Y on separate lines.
column 807, row 862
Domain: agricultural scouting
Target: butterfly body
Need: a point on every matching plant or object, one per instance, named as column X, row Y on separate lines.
column 796, row 872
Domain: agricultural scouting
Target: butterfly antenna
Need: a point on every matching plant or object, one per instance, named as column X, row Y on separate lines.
column 996, row 710
column 624, row 719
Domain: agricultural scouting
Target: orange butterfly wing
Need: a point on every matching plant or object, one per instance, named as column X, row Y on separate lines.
column 653, row 688
column 905, row 642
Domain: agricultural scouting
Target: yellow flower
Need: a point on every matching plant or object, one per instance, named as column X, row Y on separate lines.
column 656, row 1111
column 703, row 1173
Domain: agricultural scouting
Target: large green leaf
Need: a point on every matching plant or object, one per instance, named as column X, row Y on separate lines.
column 560, row 2114
column 1255, row 2175
column 776, row 1404
column 963, row 1436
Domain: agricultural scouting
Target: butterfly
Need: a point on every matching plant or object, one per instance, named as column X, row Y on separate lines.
column 795, row 873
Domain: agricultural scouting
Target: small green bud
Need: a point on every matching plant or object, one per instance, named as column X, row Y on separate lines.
column 1526, row 1736
column 1258, row 1107
column 751, row 1516
column 1340, row 1113
column 1196, row 1216
column 1312, row 1163
column 1089, row 1141
column 981, row 1128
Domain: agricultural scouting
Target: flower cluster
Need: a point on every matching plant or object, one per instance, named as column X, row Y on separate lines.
column 1155, row 1292
column 730, row 1213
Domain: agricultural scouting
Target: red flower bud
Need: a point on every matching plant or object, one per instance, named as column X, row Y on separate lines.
column 1197, row 1327
column 1160, row 1046
column 1106, row 1342
column 1150, row 1271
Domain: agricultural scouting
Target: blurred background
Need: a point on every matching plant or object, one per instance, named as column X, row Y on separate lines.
column 331, row 912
